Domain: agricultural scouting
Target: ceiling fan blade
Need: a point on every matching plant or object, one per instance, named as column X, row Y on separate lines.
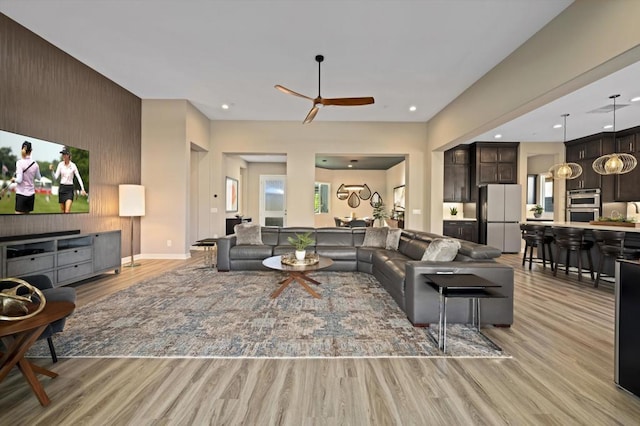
column 347, row 101
column 291, row 92
column 311, row 115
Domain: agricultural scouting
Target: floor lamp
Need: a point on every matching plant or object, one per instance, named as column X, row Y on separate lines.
column 131, row 205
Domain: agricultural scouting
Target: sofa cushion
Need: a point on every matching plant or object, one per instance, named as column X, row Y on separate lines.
column 248, row 234
column 413, row 248
column 338, row 252
column 441, row 250
column 334, row 237
column 375, row 237
column 393, row 238
column 250, row 252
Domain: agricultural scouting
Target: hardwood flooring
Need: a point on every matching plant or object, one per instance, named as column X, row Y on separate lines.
column 561, row 373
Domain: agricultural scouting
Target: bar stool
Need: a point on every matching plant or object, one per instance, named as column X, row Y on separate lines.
column 572, row 240
column 611, row 244
column 534, row 236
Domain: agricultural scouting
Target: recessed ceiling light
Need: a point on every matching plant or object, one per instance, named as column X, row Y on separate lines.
column 498, row 136
column 636, row 99
column 350, row 165
column 225, row 106
column 557, row 126
column 412, row 108
column 608, row 126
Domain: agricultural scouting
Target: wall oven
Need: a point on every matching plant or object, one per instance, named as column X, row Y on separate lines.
column 583, row 198
column 582, row 214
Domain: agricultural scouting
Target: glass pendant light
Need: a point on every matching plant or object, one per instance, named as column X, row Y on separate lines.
column 565, row 170
column 616, row 163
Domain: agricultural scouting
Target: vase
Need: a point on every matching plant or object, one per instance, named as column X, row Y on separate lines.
column 537, row 214
column 300, row 254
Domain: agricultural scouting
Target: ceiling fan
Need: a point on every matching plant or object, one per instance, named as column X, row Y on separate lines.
column 320, row 101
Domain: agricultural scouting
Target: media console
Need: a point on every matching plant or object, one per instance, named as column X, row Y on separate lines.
column 65, row 259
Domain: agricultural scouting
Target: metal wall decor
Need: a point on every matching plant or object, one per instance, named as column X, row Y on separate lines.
column 354, row 200
column 342, row 193
column 365, row 193
column 375, row 200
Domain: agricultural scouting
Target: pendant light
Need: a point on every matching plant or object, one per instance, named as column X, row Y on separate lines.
column 616, row 163
column 565, row 170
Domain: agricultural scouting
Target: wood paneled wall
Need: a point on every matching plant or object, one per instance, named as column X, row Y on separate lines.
column 47, row 94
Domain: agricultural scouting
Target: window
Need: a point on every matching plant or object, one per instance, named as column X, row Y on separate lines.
column 321, row 197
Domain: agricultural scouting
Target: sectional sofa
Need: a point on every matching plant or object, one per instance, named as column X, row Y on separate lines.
column 398, row 271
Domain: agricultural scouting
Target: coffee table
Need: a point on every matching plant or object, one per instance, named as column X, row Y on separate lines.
column 18, row 336
column 296, row 273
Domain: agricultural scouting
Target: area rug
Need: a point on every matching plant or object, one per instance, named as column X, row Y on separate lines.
column 203, row 313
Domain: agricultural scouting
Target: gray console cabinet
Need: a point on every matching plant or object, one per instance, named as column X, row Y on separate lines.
column 64, row 259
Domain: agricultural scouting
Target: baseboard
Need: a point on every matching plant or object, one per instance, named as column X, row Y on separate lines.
column 167, row 256
column 127, row 260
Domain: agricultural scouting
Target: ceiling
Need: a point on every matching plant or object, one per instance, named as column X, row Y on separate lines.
column 402, row 52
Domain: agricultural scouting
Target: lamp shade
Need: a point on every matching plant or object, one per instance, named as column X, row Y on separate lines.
column 131, row 200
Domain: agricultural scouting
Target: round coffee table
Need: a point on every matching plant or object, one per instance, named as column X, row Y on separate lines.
column 296, row 273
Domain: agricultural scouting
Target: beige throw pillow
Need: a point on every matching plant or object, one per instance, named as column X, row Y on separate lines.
column 441, row 250
column 375, row 237
column 248, row 234
column 393, row 238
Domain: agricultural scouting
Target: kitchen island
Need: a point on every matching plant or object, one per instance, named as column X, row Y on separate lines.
column 632, row 239
column 587, row 225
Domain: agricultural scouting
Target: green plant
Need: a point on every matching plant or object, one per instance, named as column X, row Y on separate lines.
column 453, row 211
column 537, row 209
column 379, row 211
column 301, row 241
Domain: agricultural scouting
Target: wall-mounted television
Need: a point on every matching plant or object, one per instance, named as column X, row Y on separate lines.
column 46, row 155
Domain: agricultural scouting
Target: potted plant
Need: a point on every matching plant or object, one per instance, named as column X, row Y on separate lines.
column 301, row 242
column 380, row 213
column 453, row 211
column 537, row 210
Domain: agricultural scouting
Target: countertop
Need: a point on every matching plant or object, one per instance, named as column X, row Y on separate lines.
column 587, row 225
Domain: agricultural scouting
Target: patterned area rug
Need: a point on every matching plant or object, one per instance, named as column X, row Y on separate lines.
column 195, row 312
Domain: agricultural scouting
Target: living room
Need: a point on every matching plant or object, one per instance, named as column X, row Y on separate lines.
column 180, row 155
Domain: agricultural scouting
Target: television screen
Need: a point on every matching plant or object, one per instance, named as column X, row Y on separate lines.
column 63, row 185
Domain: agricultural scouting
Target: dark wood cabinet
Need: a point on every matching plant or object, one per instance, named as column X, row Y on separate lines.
column 492, row 162
column 462, row 229
column 456, row 174
column 584, row 151
column 627, row 186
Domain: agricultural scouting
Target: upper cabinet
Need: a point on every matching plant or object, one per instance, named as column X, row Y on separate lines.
column 492, row 162
column 626, row 185
column 584, row 151
column 468, row 166
column 456, row 174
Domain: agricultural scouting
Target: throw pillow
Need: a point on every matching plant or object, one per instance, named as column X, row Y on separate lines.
column 375, row 237
column 441, row 250
column 393, row 238
column 248, row 234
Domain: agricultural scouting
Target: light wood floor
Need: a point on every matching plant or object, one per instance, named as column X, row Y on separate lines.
column 561, row 373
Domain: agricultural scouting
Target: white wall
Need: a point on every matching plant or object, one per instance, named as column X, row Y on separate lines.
column 302, row 143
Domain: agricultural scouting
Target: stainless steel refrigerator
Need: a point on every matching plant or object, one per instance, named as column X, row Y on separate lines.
column 499, row 216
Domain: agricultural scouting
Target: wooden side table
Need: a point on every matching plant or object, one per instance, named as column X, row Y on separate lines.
column 468, row 286
column 19, row 336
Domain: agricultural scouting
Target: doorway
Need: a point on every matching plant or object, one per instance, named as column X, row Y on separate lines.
column 273, row 200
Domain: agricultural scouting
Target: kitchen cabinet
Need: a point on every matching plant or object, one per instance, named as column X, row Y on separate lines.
column 456, row 174
column 584, row 151
column 461, row 229
column 492, row 162
column 626, row 185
